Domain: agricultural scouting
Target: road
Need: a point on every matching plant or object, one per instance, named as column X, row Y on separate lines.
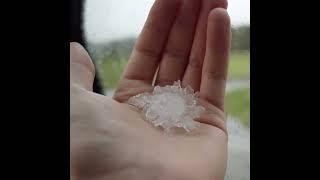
column 239, row 141
column 239, row 151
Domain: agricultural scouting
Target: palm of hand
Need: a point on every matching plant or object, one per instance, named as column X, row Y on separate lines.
column 125, row 146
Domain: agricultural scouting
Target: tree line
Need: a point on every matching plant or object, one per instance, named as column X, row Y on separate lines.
column 122, row 48
column 241, row 38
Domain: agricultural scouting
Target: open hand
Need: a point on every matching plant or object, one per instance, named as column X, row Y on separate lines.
column 188, row 40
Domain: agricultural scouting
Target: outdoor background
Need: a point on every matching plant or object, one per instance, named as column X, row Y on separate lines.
column 112, row 27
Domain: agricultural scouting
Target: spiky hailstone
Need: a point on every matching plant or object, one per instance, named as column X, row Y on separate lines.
column 169, row 107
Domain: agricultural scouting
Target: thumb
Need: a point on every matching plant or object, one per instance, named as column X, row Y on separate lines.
column 82, row 70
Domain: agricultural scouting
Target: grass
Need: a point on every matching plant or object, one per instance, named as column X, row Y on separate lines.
column 111, row 70
column 239, row 66
column 238, row 105
column 112, row 67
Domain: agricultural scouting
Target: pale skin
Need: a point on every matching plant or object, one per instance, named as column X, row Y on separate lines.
column 188, row 40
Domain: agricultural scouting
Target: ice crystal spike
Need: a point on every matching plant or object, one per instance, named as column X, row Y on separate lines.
column 169, row 107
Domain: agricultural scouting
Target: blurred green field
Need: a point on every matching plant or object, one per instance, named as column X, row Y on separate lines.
column 239, row 67
column 112, row 57
column 238, row 105
column 111, row 68
column 237, row 101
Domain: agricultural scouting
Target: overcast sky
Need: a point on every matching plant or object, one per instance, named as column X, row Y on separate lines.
column 107, row 20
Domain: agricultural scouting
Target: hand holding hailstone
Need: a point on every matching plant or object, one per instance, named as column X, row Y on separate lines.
column 169, row 107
